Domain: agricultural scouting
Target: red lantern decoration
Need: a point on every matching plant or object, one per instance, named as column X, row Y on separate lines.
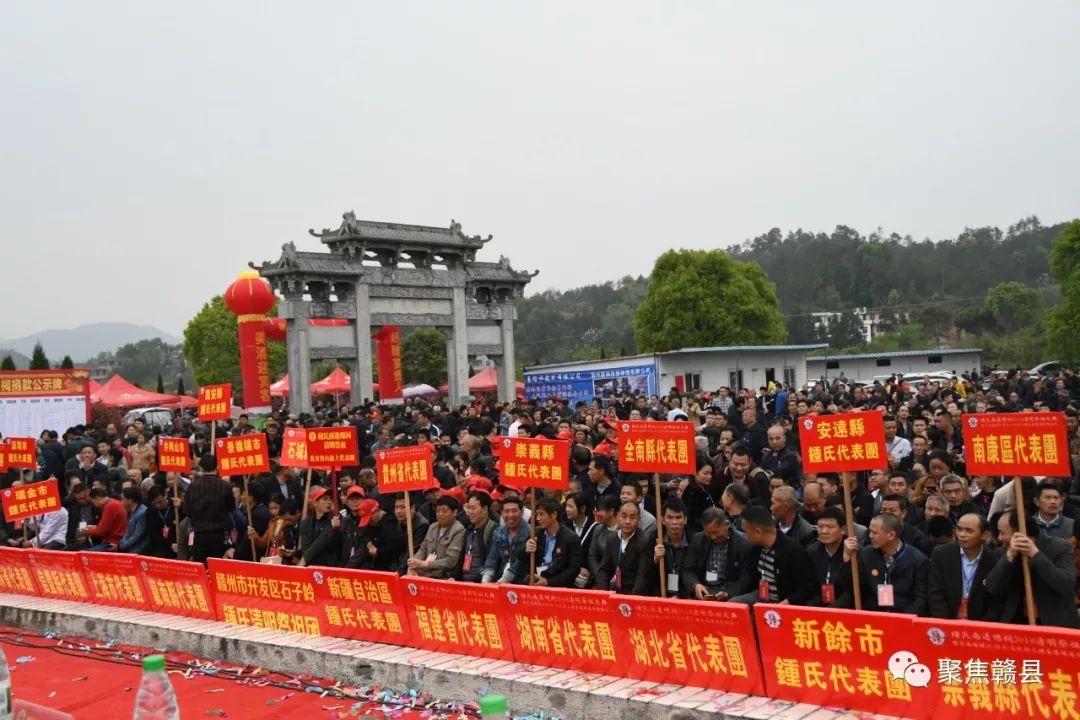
column 251, row 297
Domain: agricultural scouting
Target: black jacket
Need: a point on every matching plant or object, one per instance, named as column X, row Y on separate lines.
column 697, row 500
column 389, row 542
column 321, row 541
column 908, row 578
column 565, row 557
column 260, row 520
column 1053, row 582
column 160, row 532
column 786, row 464
column 735, row 578
column 831, row 570
column 208, row 502
column 946, row 585
column 634, row 565
column 794, row 572
column 801, row 531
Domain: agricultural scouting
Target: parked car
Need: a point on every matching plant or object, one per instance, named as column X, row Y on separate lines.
column 1052, row 367
column 151, row 416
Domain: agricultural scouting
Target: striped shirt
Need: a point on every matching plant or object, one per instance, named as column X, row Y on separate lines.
column 767, row 568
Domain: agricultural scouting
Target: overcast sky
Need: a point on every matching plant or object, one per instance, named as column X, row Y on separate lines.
column 150, row 149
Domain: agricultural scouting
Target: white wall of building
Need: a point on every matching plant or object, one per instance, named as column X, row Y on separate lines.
column 716, row 367
column 863, row 367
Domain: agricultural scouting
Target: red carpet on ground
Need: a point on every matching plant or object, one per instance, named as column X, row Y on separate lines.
column 92, row 681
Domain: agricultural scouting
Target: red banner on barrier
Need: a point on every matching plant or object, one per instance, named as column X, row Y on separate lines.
column 21, row 453
column 842, row 443
column 173, row 455
column 354, row 604
column 996, row 671
column 534, row 462
column 58, row 574
column 839, row 658
column 215, row 402
column 3, row 456
column 560, row 627
column 176, row 587
column 404, row 468
column 114, row 579
column 333, row 447
column 362, row 605
column 27, row 501
column 243, row 455
column 15, row 575
column 294, row 452
column 704, row 644
column 460, row 618
column 656, row 447
column 275, row 597
column 1016, row 444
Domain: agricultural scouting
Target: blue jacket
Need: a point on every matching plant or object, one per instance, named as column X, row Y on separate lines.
column 134, row 540
column 506, row 550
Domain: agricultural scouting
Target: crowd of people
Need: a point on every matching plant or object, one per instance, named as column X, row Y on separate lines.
column 748, row 526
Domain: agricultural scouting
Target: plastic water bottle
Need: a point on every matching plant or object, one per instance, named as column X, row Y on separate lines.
column 5, row 688
column 156, row 700
column 494, row 706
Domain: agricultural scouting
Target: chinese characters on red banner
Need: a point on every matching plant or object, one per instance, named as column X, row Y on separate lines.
column 243, row 455
column 704, row 644
column 114, row 579
column 458, row 618
column 21, row 453
column 332, row 447
column 388, row 359
column 173, row 454
column 844, row 442
column 656, row 447
column 58, row 574
column 404, row 469
column 534, row 462
column 1016, row 444
column 27, row 501
column 215, row 402
column 177, row 588
column 836, row 658
column 294, row 449
column 560, row 627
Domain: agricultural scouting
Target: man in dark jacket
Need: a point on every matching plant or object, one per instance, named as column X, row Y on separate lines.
column 320, row 534
column 627, row 568
column 715, row 566
column 893, row 574
column 207, row 503
column 754, row 436
column 1053, row 575
column 831, row 574
column 79, row 511
column 255, row 498
column 899, row 506
column 958, row 572
column 779, row 568
column 781, row 460
column 378, row 541
column 556, row 548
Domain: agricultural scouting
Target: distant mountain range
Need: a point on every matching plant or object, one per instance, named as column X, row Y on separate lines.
column 81, row 343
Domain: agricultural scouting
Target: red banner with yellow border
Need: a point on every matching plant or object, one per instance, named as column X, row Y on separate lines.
column 462, row 618
column 704, row 644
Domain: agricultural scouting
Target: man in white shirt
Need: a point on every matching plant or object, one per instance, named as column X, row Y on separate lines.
column 897, row 448
column 50, row 530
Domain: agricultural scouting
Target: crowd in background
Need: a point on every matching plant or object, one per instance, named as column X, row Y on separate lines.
column 748, row 526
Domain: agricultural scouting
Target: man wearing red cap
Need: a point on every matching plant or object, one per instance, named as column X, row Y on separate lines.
column 377, row 542
column 321, row 533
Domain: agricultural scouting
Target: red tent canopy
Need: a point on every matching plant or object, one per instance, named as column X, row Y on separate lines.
column 118, row 392
column 336, row 383
column 184, row 402
column 95, row 388
column 487, row 380
column 281, row 387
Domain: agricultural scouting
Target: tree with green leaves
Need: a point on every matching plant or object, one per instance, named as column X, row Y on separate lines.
column 7, row 364
column 160, row 384
column 38, row 361
column 1013, row 305
column 1063, row 321
column 423, row 357
column 180, row 386
column 212, row 348
column 700, row 298
column 67, row 363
